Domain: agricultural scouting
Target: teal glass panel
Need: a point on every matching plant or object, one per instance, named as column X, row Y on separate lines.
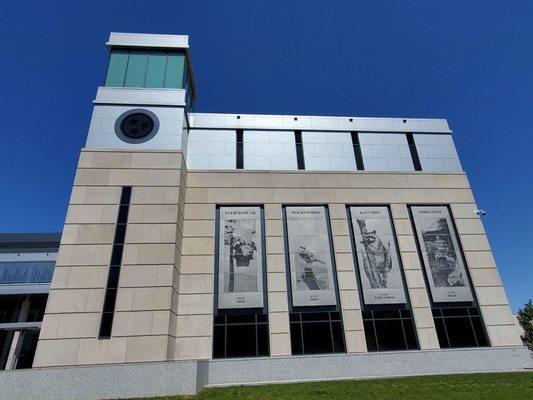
column 155, row 74
column 136, row 73
column 175, row 69
column 117, row 69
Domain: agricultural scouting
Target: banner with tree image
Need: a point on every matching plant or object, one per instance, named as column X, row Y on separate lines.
column 443, row 262
column 240, row 261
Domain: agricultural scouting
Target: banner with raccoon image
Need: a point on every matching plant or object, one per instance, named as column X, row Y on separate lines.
column 377, row 256
column 311, row 266
column 240, row 261
column 445, row 269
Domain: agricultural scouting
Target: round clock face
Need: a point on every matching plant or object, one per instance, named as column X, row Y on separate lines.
column 137, row 125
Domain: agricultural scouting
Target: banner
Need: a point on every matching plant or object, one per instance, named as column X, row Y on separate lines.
column 310, row 257
column 444, row 265
column 377, row 256
column 240, row 260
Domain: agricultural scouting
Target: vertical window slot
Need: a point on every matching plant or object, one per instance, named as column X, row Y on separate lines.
column 110, row 298
column 414, row 152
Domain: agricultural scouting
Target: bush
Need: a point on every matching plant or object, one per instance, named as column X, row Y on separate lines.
column 525, row 318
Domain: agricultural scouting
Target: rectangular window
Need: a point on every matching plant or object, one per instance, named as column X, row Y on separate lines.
column 155, row 69
column 455, row 310
column 241, row 314
column 136, row 72
column 314, row 311
column 108, row 311
column 357, row 152
column 155, row 73
column 299, row 150
column 174, row 77
column 240, row 149
column 414, row 152
column 387, row 318
column 116, row 72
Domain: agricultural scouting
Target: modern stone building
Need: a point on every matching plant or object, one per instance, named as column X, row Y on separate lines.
column 212, row 249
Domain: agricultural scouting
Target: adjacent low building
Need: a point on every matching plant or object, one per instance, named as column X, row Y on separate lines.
column 26, row 268
column 214, row 249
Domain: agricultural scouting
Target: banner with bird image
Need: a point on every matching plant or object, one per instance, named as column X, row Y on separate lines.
column 310, row 258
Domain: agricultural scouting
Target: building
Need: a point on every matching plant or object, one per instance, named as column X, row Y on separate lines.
column 214, row 249
column 26, row 267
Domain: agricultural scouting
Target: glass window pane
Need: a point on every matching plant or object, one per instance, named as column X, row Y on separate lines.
column 370, row 336
column 174, row 71
column 441, row 333
column 296, row 339
column 460, row 332
column 262, row 340
column 219, row 340
column 155, row 74
column 317, row 338
column 410, row 335
column 338, row 337
column 480, row 332
column 117, row 69
column 136, row 72
column 240, row 341
column 390, row 335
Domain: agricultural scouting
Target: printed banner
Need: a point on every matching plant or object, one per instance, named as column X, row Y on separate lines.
column 444, row 265
column 240, row 261
column 377, row 256
column 310, row 257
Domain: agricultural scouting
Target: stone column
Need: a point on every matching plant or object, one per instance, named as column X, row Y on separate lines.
column 497, row 315
column 349, row 295
column 418, row 294
column 278, row 309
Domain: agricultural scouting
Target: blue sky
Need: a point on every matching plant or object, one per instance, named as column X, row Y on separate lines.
column 470, row 62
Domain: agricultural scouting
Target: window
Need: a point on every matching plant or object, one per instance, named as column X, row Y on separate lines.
column 151, row 69
column 241, row 335
column 299, row 150
column 108, row 311
column 459, row 327
column 387, row 317
column 240, row 150
column 389, row 329
column 357, row 151
column 316, row 332
column 414, row 152
column 454, row 306
column 240, row 307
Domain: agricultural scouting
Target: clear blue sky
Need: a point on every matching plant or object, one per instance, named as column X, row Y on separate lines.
column 470, row 62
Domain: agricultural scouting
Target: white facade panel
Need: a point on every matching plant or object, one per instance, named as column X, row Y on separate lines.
column 437, row 153
column 269, row 150
column 385, row 152
column 102, row 134
column 328, row 151
column 211, row 149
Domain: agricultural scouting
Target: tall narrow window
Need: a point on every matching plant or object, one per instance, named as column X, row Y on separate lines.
column 240, row 152
column 458, row 320
column 299, row 149
column 357, row 152
column 108, row 311
column 414, row 152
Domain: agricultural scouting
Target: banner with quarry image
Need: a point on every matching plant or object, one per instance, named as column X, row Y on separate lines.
column 240, row 260
column 377, row 256
column 310, row 261
column 445, row 269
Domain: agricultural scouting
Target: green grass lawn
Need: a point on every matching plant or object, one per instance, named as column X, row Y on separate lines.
column 515, row 386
